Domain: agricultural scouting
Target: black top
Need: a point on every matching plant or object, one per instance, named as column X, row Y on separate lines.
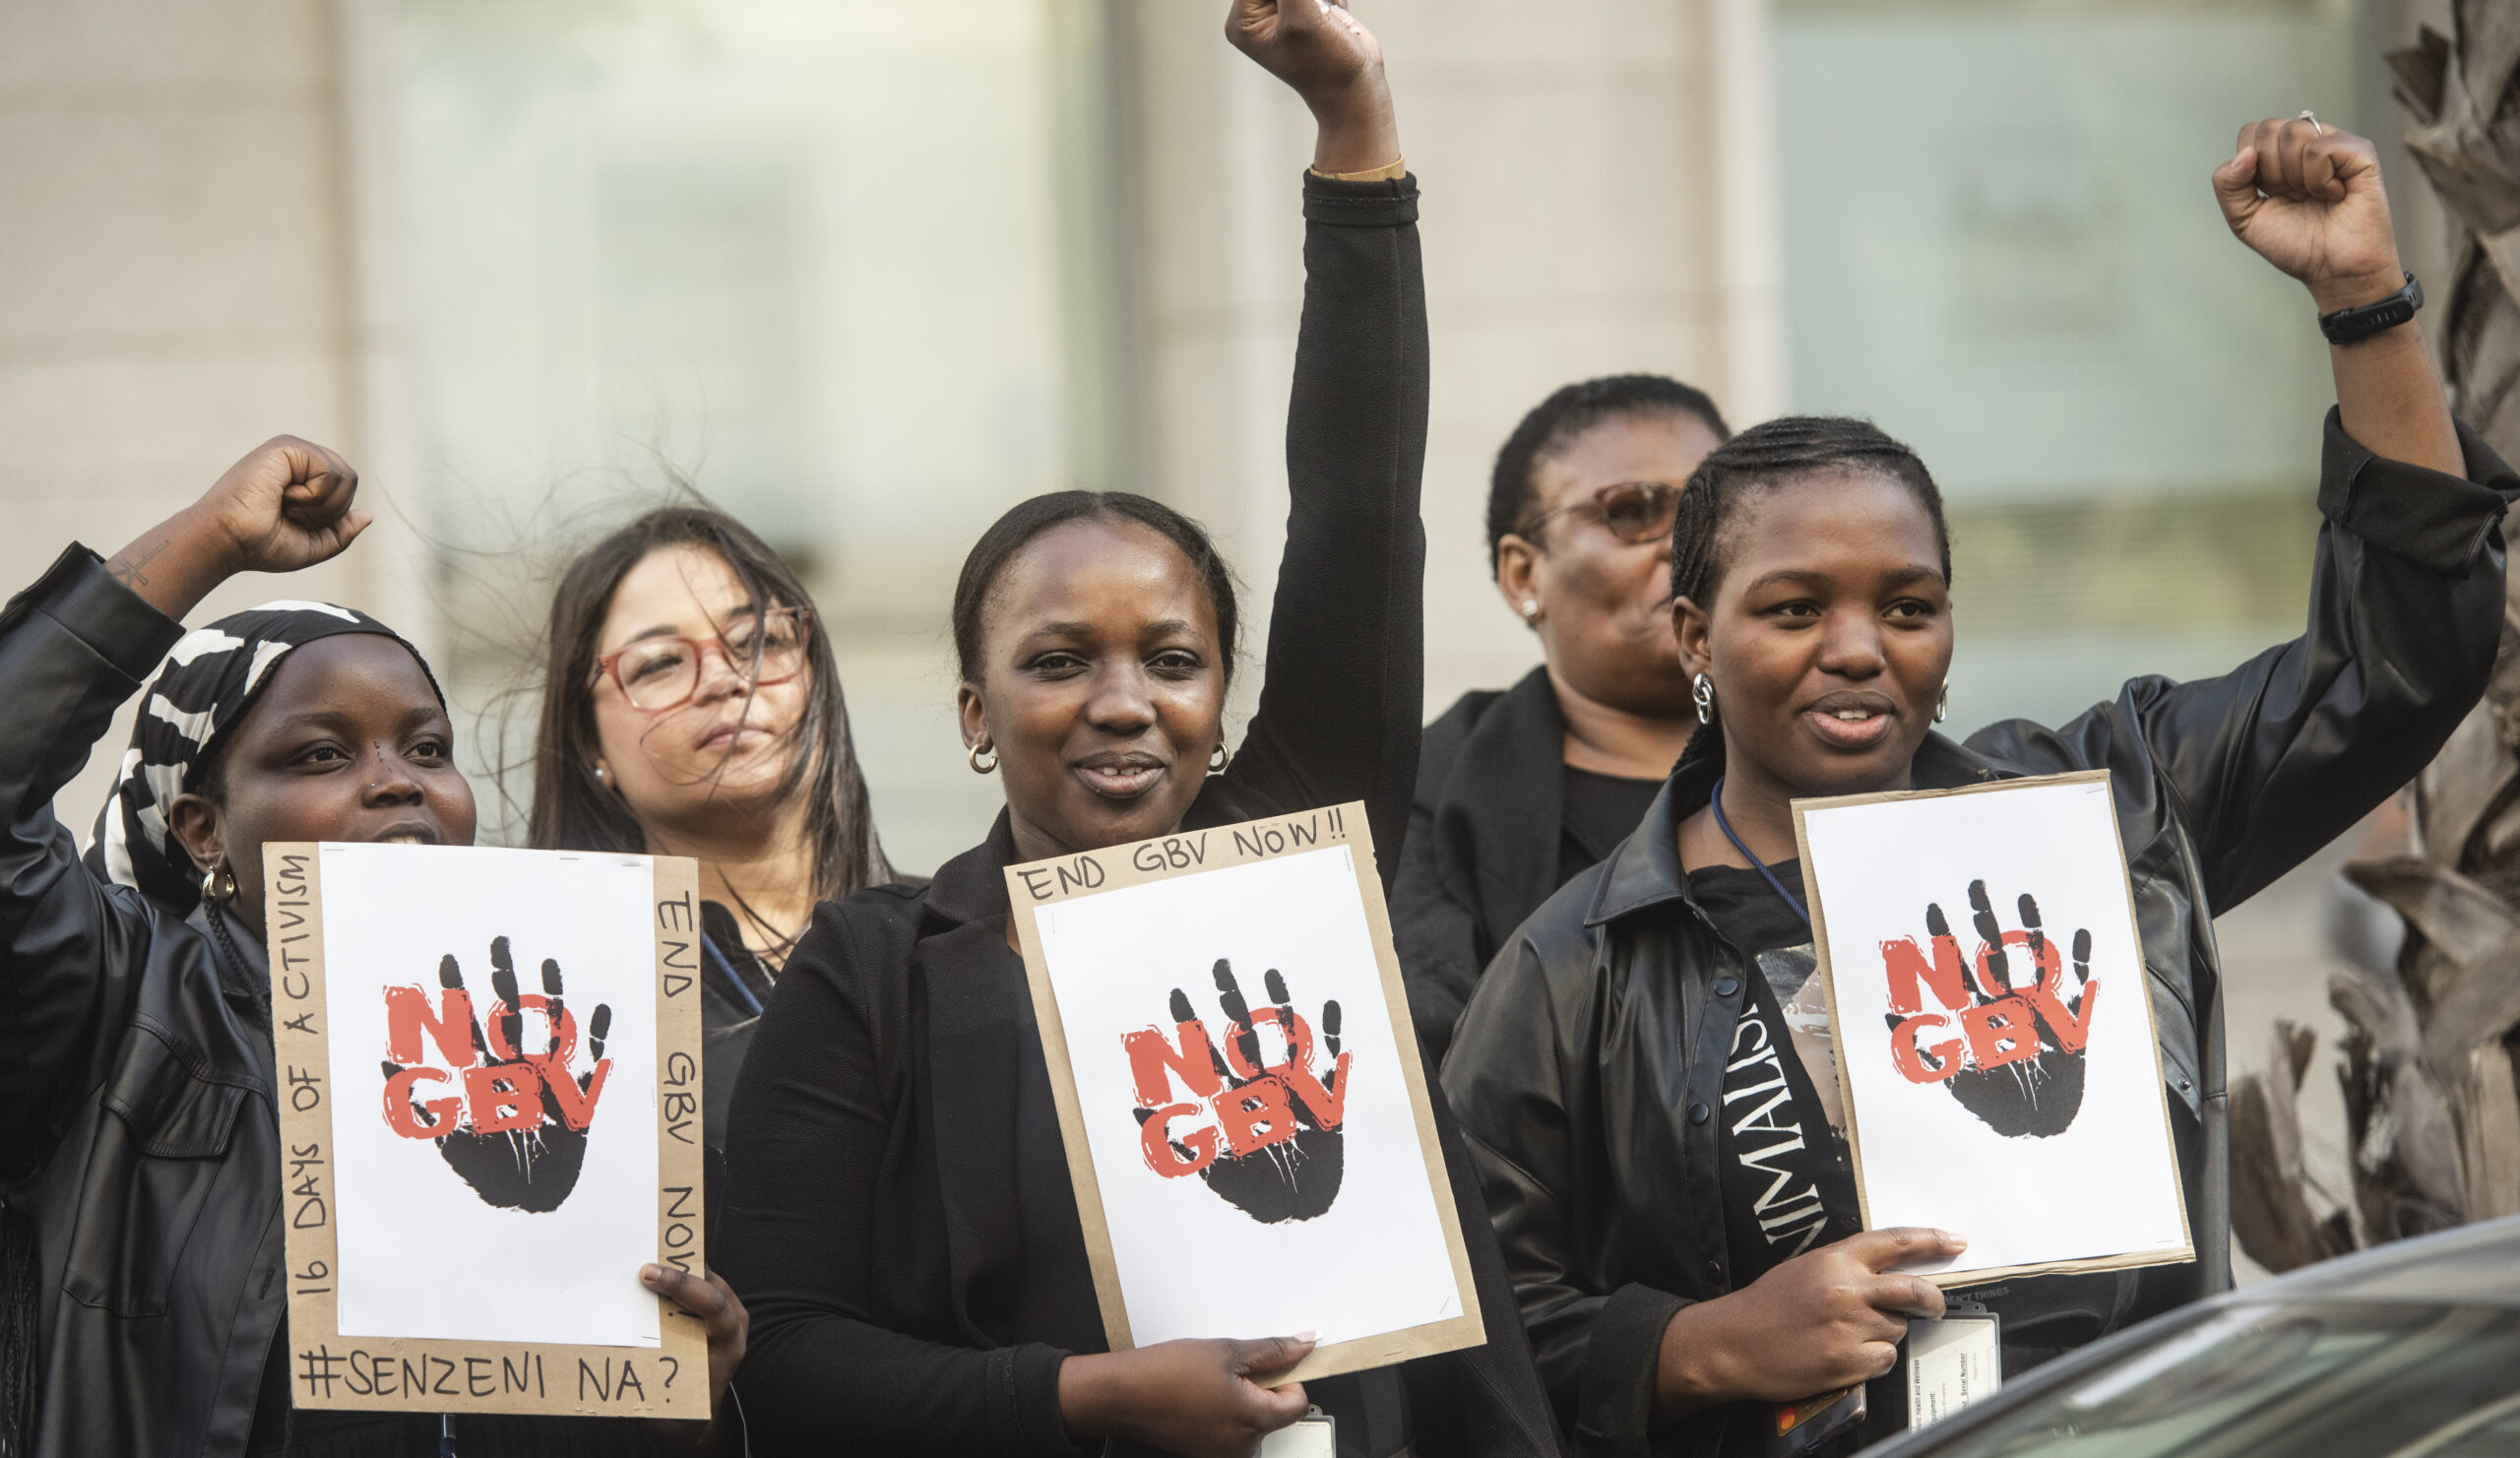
column 1497, row 822
column 1615, row 1005
column 1601, row 810
column 898, row 1218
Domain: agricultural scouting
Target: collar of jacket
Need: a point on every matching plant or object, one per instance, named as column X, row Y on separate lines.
column 1645, row 870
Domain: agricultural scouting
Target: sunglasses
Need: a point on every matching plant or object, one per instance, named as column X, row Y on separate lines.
column 660, row 673
column 1633, row 511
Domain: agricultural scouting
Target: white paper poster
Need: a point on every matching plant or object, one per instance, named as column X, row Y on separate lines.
column 1250, row 1096
column 490, row 1115
column 1993, row 1023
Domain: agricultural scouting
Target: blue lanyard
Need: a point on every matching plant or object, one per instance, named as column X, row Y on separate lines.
column 751, row 1003
column 1715, row 802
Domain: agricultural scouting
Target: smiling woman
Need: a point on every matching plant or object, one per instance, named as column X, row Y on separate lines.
column 1682, row 1270
column 142, row 1143
column 899, row 1214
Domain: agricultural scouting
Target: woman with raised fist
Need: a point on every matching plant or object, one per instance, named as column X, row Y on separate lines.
column 139, row 1157
column 898, row 1216
column 1644, row 1072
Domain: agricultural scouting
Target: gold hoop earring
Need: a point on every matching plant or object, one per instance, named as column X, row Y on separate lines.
column 219, row 883
column 973, row 758
column 1219, row 758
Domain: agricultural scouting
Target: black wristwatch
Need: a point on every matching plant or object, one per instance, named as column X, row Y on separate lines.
column 2345, row 326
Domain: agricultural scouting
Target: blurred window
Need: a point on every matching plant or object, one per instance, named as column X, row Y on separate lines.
column 2002, row 246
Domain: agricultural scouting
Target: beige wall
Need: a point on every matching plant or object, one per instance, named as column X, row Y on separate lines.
column 1583, row 214
column 174, row 284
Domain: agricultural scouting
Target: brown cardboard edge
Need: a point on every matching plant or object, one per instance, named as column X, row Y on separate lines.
column 2153, row 1039
column 1450, row 1334
column 313, row 1313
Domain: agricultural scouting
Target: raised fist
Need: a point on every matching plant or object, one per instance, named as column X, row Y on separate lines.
column 1264, row 1135
column 2307, row 197
column 517, row 1130
column 2011, row 1049
column 285, row 506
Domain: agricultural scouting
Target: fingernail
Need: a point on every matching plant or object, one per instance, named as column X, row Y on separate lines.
column 1307, row 1336
column 652, row 1274
column 1954, row 1237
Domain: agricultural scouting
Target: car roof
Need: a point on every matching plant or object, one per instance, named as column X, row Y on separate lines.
column 2475, row 1265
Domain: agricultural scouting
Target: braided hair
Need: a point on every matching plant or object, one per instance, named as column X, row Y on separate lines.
column 1769, row 454
column 1565, row 416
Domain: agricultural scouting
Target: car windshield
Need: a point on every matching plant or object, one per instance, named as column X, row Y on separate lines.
column 2304, row 1379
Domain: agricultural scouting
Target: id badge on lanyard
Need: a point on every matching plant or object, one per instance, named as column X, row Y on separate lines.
column 1315, row 1435
column 1952, row 1362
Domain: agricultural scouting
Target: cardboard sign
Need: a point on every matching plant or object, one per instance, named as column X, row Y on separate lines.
column 1992, row 1023
column 489, row 1066
column 1246, row 1121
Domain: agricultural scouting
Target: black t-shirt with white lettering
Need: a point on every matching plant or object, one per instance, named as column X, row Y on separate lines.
column 1788, row 1185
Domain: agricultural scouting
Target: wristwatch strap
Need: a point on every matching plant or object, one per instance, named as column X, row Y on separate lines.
column 2345, row 326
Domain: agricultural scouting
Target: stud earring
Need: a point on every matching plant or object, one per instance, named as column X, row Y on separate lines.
column 1702, row 692
column 973, row 758
column 601, row 777
column 1531, row 609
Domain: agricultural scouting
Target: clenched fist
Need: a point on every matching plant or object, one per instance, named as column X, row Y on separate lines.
column 2308, row 199
column 286, row 505
column 1326, row 56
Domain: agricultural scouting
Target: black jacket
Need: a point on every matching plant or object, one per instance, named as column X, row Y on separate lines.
column 138, row 1132
column 1585, row 1065
column 1484, row 841
column 898, row 1217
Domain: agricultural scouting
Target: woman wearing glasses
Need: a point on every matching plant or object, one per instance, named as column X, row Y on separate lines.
column 1519, row 791
column 691, row 708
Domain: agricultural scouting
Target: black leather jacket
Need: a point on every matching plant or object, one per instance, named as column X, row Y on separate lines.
column 1583, row 1070
column 137, row 1128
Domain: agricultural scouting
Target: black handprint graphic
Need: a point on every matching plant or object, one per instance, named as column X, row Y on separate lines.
column 517, row 1134
column 2016, row 1058
column 1264, row 1135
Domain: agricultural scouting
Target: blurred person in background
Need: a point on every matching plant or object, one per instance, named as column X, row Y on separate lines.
column 140, row 1159
column 1519, row 791
column 691, row 707
column 1645, row 1072
column 900, row 1217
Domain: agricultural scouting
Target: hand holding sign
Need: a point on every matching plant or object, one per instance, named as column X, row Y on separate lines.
column 519, row 1134
column 1822, row 1320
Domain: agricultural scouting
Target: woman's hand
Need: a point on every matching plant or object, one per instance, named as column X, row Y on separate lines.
column 719, row 1311
column 1332, row 61
column 1822, row 1320
column 2310, row 201
column 286, row 506
column 1201, row 1399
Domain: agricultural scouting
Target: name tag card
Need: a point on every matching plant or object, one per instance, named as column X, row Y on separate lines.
column 1247, row 1121
column 489, row 1066
column 1993, row 1020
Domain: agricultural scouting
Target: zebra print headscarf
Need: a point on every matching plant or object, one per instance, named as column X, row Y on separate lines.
column 209, row 678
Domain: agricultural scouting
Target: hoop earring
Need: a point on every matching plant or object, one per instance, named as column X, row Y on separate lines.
column 1702, row 693
column 1943, row 706
column 973, row 758
column 1219, row 758
column 219, row 883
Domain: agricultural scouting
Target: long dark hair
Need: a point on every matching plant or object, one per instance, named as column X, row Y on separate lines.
column 1029, row 518
column 574, row 811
